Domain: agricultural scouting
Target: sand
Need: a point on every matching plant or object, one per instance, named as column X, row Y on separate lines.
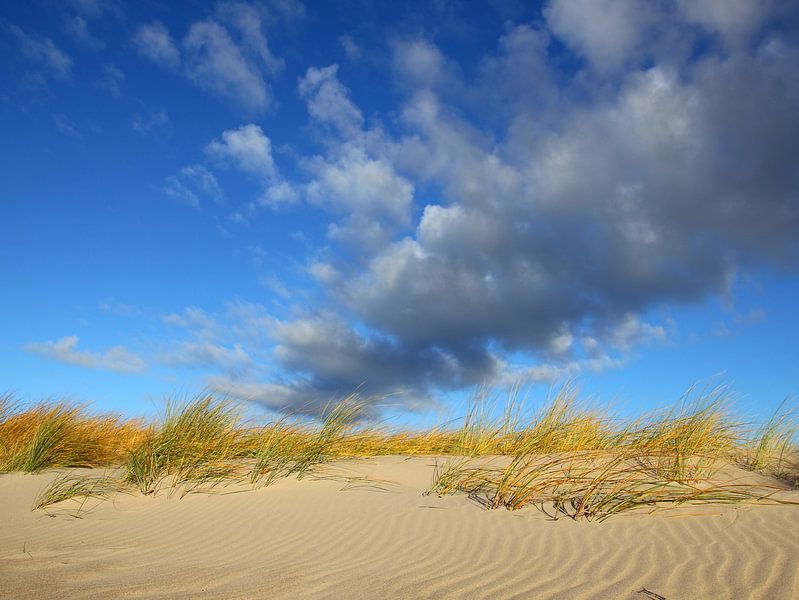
column 333, row 539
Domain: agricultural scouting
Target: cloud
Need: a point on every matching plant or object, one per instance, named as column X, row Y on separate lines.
column 111, row 305
column 753, row 317
column 328, row 101
column 177, row 190
column 226, row 54
column 77, row 28
column 111, row 80
column 66, row 126
column 94, row 9
column 215, row 63
column 154, row 42
column 208, row 355
column 202, row 179
column 542, row 243
column 43, row 51
column 191, row 183
column 733, row 20
column 248, row 20
column 202, row 325
column 154, row 121
column 613, row 34
column 65, row 350
column 512, row 220
column 350, row 47
column 246, row 148
column 609, row 33
column 354, row 180
column 269, row 395
column 421, row 64
column 356, row 184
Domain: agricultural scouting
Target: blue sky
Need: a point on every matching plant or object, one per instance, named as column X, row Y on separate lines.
column 284, row 201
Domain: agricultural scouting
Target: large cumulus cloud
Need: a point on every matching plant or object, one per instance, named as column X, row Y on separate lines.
column 531, row 211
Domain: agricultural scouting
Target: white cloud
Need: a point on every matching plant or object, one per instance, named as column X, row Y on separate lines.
column 116, row 307
column 177, row 190
column 66, row 350
column 191, row 184
column 247, row 19
column 226, row 55
column 328, row 100
column 202, row 180
column 207, row 355
column 197, row 321
column 43, row 51
column 154, row 42
column 734, row 20
column 630, row 331
column 270, row 395
column 608, row 32
column 214, row 62
column 355, row 183
column 422, row 64
column 247, row 148
column 280, row 194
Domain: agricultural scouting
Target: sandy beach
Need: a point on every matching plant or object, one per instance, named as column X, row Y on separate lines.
column 342, row 537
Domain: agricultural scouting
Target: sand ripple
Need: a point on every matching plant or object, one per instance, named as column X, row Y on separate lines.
column 310, row 539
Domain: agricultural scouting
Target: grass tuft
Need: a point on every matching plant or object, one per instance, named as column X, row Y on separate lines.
column 772, row 444
column 197, row 445
column 79, row 488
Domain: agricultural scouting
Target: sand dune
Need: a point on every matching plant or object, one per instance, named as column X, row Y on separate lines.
column 332, row 539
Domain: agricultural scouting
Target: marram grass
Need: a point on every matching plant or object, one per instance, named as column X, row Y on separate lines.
column 567, row 457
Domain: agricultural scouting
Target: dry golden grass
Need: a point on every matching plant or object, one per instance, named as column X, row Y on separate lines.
column 567, row 455
column 62, row 434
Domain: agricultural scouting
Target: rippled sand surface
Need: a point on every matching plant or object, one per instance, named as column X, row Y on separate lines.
column 331, row 538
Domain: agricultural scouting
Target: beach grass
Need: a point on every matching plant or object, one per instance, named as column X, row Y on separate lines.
column 567, row 456
column 80, row 488
column 61, row 434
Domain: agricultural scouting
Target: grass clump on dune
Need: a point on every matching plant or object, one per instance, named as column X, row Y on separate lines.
column 690, row 439
column 590, row 485
column 571, row 461
column 61, row 434
column 770, row 446
column 564, row 424
column 288, row 450
column 197, row 443
column 81, row 489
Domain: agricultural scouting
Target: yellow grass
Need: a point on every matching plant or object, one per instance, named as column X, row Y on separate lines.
column 62, row 434
column 567, row 455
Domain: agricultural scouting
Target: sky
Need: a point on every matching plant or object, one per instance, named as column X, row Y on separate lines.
column 285, row 202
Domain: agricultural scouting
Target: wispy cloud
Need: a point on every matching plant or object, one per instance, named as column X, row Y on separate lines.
column 233, row 360
column 66, row 350
column 111, row 80
column 191, row 183
column 42, row 51
column 153, row 41
column 151, row 122
column 227, row 54
column 77, row 28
